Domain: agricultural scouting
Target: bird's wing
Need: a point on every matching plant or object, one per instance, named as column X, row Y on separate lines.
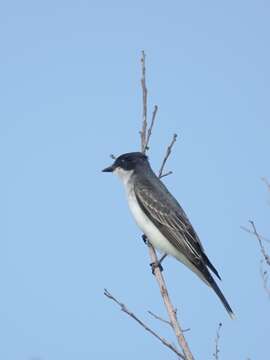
column 173, row 223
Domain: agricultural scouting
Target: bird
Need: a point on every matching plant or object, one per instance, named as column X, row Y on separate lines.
column 162, row 219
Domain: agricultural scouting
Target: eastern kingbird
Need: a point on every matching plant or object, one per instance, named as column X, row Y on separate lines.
column 162, row 219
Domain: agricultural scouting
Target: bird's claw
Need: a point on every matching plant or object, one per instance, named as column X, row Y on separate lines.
column 155, row 265
column 145, row 240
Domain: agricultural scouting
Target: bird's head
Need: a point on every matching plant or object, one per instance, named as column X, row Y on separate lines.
column 127, row 163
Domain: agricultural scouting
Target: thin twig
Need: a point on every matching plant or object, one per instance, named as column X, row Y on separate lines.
column 159, row 318
column 263, row 251
column 217, row 351
column 163, row 320
column 252, row 233
column 133, row 316
column 265, row 278
column 166, row 174
column 168, row 152
column 149, row 132
column 153, row 256
column 144, row 98
column 265, row 261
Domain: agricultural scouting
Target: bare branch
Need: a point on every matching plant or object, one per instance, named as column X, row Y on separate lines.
column 169, row 307
column 133, row 316
column 265, row 261
column 163, row 320
column 166, row 174
column 159, row 318
column 216, row 353
column 168, row 152
column 153, row 256
column 144, row 95
column 149, row 132
column 265, row 278
column 252, row 233
column 263, row 251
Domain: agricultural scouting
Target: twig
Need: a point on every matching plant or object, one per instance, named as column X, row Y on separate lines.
column 265, row 257
column 263, row 251
column 153, row 256
column 252, row 233
column 159, row 318
column 144, row 98
column 168, row 152
column 216, row 353
column 133, row 316
column 165, row 321
column 166, row 174
column 149, row 132
column 265, row 278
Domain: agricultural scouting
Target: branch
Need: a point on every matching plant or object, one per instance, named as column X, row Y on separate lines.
column 153, row 256
column 265, row 278
column 163, row 320
column 252, row 233
column 166, row 174
column 263, row 251
column 145, row 135
column 216, row 353
column 168, row 152
column 144, row 98
column 133, row 316
column 159, row 318
column 265, row 257
column 149, row 132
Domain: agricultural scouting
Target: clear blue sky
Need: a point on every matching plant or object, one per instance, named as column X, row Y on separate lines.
column 70, row 96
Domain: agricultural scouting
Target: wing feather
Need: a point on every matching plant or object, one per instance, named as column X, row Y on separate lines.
column 165, row 212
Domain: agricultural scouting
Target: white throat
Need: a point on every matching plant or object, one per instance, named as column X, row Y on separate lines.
column 124, row 175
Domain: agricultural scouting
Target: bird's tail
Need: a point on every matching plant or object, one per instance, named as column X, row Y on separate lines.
column 211, row 282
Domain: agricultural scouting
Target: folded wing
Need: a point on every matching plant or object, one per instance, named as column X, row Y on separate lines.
column 164, row 211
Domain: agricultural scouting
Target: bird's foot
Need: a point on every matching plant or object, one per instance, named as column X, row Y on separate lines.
column 145, row 240
column 155, row 265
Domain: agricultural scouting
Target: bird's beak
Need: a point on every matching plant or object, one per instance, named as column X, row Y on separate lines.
column 109, row 168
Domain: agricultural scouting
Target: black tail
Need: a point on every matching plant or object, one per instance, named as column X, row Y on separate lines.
column 217, row 290
column 210, row 265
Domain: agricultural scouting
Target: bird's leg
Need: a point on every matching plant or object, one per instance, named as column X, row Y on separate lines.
column 153, row 264
column 157, row 264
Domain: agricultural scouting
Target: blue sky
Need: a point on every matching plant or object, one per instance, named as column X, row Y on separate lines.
column 70, row 90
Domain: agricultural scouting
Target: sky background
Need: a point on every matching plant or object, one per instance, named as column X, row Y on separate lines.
column 70, row 96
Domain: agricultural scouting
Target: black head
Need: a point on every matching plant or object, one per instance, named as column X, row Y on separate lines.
column 127, row 161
